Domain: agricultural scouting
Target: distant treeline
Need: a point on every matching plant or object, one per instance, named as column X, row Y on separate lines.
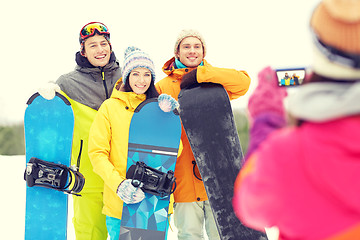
column 12, row 137
column 12, row 140
column 242, row 125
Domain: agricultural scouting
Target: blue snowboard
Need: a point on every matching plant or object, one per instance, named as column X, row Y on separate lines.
column 154, row 139
column 49, row 128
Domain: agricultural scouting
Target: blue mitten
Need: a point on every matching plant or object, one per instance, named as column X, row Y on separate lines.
column 167, row 103
column 128, row 193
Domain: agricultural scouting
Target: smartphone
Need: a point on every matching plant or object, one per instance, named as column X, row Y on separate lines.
column 290, row 77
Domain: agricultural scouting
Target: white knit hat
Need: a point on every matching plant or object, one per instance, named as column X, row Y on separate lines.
column 189, row 33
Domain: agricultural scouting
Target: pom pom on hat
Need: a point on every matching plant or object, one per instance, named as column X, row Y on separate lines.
column 135, row 58
column 129, row 50
column 336, row 28
column 189, row 33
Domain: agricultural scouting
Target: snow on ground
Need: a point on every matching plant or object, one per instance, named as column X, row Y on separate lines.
column 12, row 203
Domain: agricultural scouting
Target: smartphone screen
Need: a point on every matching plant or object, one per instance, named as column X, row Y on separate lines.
column 290, row 77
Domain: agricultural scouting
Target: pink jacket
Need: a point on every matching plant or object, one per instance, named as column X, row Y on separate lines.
column 305, row 181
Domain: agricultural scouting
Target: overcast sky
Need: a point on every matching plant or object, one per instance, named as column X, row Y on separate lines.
column 39, row 38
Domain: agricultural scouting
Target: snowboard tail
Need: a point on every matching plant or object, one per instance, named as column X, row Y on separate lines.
column 128, row 233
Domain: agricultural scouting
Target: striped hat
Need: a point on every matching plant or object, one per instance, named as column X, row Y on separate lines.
column 335, row 25
column 135, row 58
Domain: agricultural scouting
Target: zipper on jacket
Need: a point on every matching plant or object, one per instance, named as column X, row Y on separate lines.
column 104, row 83
column 79, row 156
column 194, row 165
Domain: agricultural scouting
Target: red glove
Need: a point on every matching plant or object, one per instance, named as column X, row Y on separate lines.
column 268, row 96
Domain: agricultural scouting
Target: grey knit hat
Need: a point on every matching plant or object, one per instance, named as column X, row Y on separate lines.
column 189, row 33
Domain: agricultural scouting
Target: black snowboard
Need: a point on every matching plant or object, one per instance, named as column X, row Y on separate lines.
column 206, row 115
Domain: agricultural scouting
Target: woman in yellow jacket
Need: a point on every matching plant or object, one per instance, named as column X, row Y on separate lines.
column 109, row 133
column 186, row 68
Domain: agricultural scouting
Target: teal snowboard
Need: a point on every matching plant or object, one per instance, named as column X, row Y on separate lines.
column 154, row 139
column 48, row 126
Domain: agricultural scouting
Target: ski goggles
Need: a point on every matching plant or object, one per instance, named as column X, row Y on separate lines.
column 89, row 30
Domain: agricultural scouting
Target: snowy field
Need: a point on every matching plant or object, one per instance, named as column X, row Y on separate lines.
column 12, row 207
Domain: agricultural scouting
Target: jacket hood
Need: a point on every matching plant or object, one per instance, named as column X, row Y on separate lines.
column 86, row 85
column 169, row 69
column 83, row 62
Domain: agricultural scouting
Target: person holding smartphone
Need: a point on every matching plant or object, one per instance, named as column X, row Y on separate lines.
column 301, row 178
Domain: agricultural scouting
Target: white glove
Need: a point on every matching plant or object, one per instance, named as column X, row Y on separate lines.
column 48, row 90
column 167, row 103
column 128, row 193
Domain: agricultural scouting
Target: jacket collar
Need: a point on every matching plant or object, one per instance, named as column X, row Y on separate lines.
column 169, row 68
column 84, row 62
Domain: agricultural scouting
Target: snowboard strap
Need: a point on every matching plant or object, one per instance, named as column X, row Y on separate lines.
column 54, row 176
column 153, row 181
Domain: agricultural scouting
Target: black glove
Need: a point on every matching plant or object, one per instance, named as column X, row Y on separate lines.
column 189, row 80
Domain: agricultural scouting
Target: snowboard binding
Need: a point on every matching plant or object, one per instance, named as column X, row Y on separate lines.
column 152, row 181
column 54, row 176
